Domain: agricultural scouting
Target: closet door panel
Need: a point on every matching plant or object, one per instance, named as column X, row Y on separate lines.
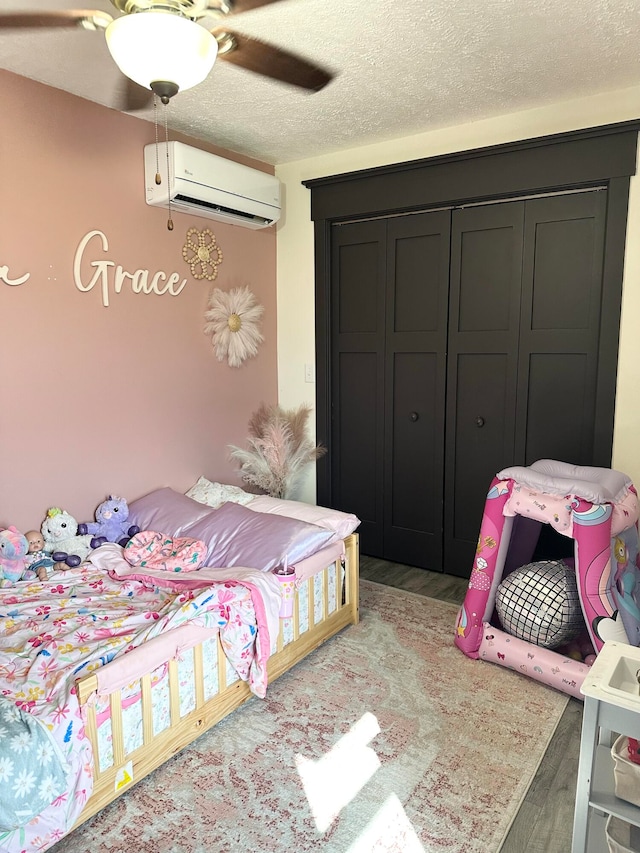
column 484, row 317
column 413, row 503
column 482, row 440
column 358, row 297
column 560, row 408
column 419, row 300
column 561, row 252
column 359, row 426
column 485, row 276
column 560, row 328
column 415, row 353
column 357, row 358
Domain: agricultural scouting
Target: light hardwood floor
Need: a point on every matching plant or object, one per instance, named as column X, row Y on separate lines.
column 544, row 822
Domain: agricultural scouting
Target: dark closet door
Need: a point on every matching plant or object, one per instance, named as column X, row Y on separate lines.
column 358, row 277
column 536, row 288
column 560, row 328
column 524, row 343
column 484, row 328
column 415, row 374
column 389, row 308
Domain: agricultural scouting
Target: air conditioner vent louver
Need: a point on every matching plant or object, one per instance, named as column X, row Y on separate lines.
column 202, row 184
column 217, row 208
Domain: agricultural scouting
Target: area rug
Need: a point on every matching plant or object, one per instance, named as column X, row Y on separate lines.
column 385, row 739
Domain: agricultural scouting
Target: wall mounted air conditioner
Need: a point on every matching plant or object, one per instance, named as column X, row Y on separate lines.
column 203, row 184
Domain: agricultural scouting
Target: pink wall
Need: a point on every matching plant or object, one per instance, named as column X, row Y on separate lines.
column 125, row 398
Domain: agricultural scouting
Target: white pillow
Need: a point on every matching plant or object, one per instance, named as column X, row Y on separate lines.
column 340, row 523
column 216, row 494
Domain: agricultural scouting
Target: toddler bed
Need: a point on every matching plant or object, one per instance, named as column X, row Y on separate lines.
column 109, row 669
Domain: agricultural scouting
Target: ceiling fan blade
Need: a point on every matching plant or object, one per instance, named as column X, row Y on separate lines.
column 270, row 61
column 84, row 18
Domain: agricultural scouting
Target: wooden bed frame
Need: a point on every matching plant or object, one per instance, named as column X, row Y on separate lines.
column 325, row 616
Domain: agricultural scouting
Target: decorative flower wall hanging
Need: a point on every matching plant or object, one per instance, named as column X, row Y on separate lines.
column 232, row 321
column 202, row 253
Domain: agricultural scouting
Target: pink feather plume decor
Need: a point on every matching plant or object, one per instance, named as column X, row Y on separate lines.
column 278, row 451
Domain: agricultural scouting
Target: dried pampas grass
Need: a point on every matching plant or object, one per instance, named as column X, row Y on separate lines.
column 279, row 450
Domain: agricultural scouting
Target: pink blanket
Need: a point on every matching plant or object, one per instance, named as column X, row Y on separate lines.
column 54, row 632
column 265, row 596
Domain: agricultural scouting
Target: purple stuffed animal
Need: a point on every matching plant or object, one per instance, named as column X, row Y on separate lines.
column 111, row 523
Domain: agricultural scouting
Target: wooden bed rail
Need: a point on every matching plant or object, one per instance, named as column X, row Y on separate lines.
column 324, row 604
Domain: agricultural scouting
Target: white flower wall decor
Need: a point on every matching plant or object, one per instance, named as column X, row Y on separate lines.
column 202, row 253
column 232, row 321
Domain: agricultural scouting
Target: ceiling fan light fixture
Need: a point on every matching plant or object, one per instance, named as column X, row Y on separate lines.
column 153, row 45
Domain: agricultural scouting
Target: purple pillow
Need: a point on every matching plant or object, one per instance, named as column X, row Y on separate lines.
column 236, row 536
column 166, row 511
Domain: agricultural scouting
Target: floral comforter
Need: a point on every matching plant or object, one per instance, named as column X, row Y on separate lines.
column 51, row 633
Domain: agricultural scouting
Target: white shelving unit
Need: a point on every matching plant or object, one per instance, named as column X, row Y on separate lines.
column 611, row 704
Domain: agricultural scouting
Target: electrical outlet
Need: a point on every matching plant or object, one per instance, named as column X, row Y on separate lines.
column 309, row 373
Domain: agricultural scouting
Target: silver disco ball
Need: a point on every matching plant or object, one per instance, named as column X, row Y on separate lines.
column 539, row 603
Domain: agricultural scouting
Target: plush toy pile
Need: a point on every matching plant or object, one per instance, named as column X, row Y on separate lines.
column 61, row 542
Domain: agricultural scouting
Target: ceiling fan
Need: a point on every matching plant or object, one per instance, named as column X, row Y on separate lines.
column 167, row 46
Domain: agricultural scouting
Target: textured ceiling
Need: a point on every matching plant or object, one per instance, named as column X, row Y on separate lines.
column 401, row 68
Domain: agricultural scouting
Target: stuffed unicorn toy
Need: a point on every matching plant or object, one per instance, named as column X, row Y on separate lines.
column 111, row 523
column 59, row 531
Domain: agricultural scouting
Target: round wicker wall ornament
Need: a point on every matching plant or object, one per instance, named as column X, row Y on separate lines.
column 202, row 253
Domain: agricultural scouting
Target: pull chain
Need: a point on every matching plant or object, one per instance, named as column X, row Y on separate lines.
column 155, row 123
column 166, row 139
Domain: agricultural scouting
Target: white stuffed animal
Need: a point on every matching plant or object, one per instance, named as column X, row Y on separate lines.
column 59, row 530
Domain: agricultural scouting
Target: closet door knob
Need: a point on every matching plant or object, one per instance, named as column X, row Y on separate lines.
column 479, row 422
column 414, row 416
